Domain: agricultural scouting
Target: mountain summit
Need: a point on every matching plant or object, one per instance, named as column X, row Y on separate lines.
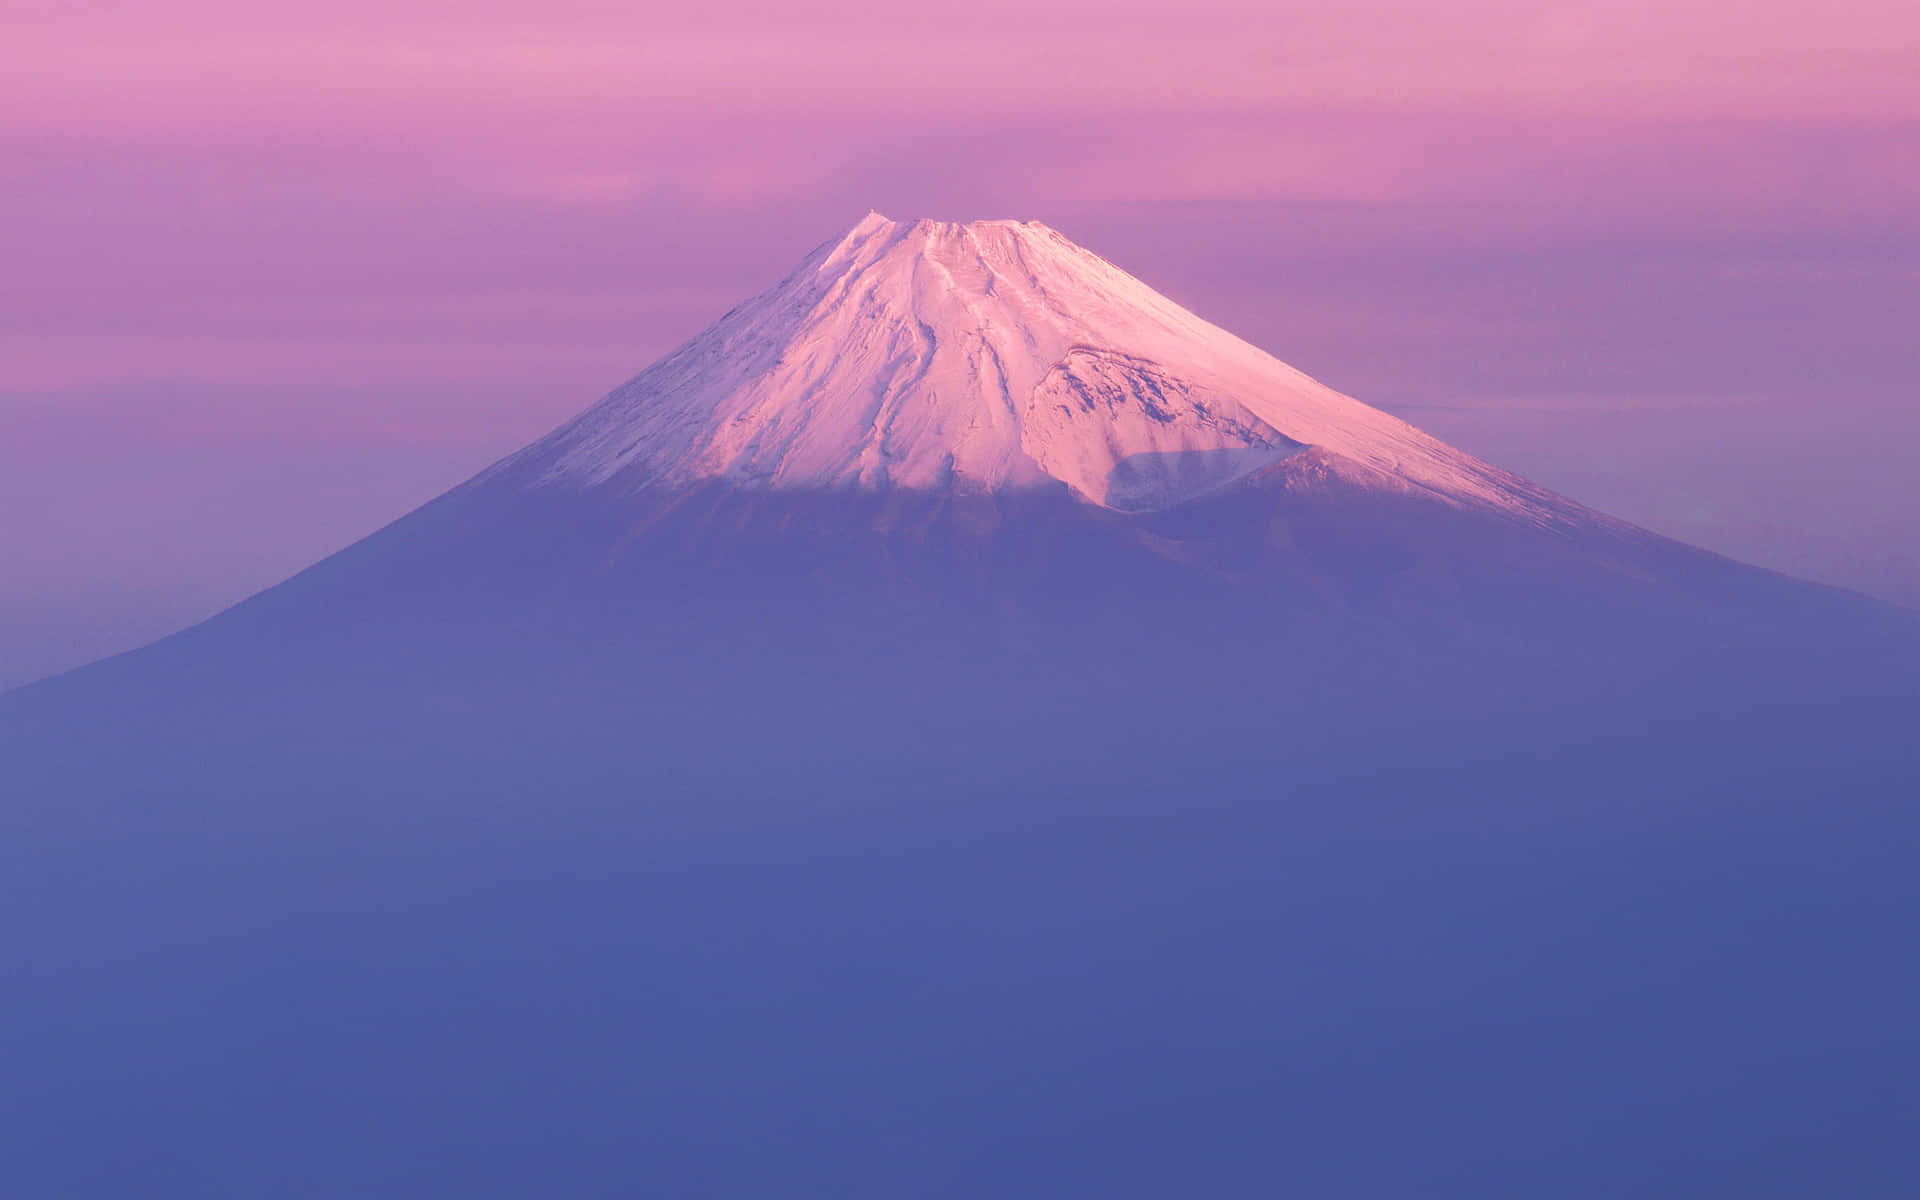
column 988, row 357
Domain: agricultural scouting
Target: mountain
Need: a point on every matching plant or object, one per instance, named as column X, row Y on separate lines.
column 946, row 422
column 962, row 725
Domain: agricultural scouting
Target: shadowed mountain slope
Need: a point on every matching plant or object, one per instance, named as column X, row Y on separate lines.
column 965, row 726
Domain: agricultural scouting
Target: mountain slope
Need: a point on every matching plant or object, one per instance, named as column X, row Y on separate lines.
column 983, row 447
column 964, row 726
column 948, row 441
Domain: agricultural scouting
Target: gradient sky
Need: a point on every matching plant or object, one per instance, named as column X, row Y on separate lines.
column 274, row 274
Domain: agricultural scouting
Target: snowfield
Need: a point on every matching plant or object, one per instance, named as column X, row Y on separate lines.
column 991, row 356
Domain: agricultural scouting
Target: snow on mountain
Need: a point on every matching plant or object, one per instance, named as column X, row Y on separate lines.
column 987, row 357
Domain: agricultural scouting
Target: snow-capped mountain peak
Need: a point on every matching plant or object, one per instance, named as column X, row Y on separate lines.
column 983, row 357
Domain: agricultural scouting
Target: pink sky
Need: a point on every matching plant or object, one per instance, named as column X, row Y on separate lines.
column 276, row 272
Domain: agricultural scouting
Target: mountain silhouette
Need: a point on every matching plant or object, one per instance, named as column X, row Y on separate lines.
column 964, row 725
